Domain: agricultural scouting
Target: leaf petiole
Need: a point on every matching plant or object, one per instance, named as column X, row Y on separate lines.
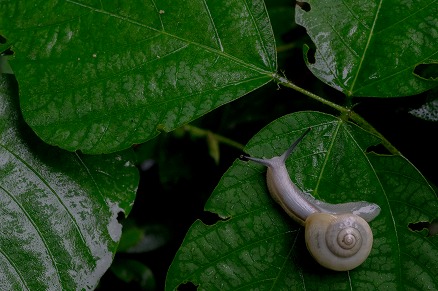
column 346, row 113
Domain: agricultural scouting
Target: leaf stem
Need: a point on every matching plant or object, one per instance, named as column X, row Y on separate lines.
column 285, row 82
column 286, row 47
column 199, row 132
column 346, row 112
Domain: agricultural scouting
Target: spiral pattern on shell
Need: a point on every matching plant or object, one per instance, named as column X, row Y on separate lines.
column 338, row 242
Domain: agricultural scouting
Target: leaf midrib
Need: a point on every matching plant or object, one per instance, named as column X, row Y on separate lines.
column 106, row 112
column 207, row 48
column 350, row 92
column 327, row 157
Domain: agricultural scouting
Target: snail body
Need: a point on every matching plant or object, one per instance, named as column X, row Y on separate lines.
column 337, row 235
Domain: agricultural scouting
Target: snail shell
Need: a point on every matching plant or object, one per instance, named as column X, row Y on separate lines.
column 339, row 242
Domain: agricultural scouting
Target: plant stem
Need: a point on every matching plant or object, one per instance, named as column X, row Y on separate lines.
column 286, row 47
column 199, row 132
column 347, row 112
column 285, row 82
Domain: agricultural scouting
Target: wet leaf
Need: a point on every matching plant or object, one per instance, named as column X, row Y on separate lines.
column 59, row 210
column 100, row 76
column 372, row 48
column 257, row 246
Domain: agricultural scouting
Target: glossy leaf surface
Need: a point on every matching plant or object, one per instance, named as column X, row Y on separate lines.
column 58, row 209
column 371, row 48
column 257, row 246
column 100, row 76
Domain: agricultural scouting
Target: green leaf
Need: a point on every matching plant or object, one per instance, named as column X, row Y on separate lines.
column 257, row 246
column 371, row 48
column 99, row 76
column 58, row 209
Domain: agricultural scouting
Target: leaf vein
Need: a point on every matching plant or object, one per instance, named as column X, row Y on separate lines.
column 383, row 79
column 216, row 33
column 394, row 224
column 365, row 49
column 324, row 164
column 32, row 222
column 96, row 117
column 159, row 14
column 11, row 262
column 121, row 73
column 91, row 177
column 355, row 16
column 407, row 17
column 344, row 42
column 287, row 260
column 258, row 31
column 207, row 48
column 28, row 166
column 238, row 249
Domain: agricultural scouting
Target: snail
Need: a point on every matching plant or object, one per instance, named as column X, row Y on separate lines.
column 337, row 236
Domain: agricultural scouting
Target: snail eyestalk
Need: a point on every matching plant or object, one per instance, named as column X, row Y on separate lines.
column 284, row 156
column 287, row 153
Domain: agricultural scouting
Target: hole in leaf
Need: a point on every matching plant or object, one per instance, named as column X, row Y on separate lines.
column 2, row 39
column 120, row 216
column 378, row 149
column 303, row 5
column 427, row 71
column 418, row 226
column 7, row 52
column 210, row 218
column 187, row 287
column 311, row 55
column 432, row 228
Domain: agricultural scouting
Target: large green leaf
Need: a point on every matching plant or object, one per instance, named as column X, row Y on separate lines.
column 257, row 246
column 58, row 210
column 101, row 75
column 371, row 48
